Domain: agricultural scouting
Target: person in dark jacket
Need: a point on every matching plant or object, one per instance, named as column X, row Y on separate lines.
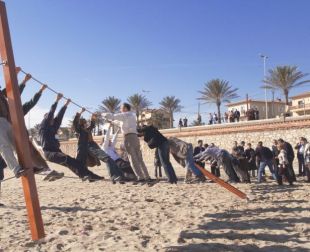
column 155, row 139
column 300, row 156
column 275, row 152
column 250, row 157
column 51, row 146
column 197, row 150
column 39, row 163
column 240, row 164
column 87, row 146
column 290, row 156
column 265, row 156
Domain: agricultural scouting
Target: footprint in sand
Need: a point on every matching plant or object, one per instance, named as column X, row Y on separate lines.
column 63, row 232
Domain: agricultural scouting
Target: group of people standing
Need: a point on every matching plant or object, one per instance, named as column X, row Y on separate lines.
column 239, row 165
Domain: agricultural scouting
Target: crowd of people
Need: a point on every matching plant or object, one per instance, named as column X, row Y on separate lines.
column 242, row 163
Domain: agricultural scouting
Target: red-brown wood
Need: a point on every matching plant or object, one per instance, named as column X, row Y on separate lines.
column 222, row 183
column 19, row 128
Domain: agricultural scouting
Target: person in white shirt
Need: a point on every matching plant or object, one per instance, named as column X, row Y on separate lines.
column 108, row 146
column 128, row 124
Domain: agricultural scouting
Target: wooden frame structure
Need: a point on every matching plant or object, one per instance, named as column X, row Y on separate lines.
column 19, row 128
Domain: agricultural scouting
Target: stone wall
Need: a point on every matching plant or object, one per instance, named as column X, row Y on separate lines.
column 223, row 135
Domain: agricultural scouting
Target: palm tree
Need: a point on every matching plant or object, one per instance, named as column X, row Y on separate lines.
column 284, row 78
column 138, row 102
column 218, row 91
column 110, row 104
column 171, row 104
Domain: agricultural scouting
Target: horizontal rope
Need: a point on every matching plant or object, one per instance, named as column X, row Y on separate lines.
column 54, row 91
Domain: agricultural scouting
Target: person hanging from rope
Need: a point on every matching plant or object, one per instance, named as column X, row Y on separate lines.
column 7, row 147
column 183, row 154
column 40, row 165
column 155, row 139
column 51, row 146
column 108, row 146
column 128, row 122
column 87, row 147
column 39, row 162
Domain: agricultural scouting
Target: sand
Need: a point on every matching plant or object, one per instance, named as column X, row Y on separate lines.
column 82, row 216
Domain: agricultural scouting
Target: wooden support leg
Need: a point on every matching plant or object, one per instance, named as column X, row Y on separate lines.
column 19, row 128
column 222, row 183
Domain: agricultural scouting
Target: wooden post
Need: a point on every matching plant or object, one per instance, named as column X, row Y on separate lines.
column 19, row 128
column 222, row 183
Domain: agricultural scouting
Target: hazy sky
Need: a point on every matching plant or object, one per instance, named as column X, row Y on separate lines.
column 93, row 49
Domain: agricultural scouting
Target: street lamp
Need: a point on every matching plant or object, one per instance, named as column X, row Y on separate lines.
column 264, row 57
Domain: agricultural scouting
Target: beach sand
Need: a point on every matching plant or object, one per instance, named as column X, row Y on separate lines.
column 82, row 216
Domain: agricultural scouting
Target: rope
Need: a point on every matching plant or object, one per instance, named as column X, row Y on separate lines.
column 54, row 176
column 54, row 91
column 1, row 181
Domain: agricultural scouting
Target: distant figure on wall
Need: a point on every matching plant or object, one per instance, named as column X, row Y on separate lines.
column 185, row 122
column 180, row 123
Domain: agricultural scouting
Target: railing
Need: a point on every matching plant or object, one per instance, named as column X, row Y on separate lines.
column 300, row 106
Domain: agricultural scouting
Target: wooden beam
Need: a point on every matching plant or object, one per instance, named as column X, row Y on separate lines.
column 19, row 128
column 222, row 183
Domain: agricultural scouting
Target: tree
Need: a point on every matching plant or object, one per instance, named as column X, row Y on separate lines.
column 218, row 91
column 110, row 104
column 284, row 78
column 138, row 102
column 171, row 104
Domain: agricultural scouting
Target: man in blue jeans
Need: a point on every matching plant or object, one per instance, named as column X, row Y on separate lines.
column 155, row 139
column 265, row 156
column 183, row 154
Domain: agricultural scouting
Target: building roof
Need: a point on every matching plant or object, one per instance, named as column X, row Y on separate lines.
column 252, row 101
column 302, row 95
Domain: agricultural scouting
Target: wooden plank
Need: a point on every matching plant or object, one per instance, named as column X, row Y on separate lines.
column 19, row 128
column 222, row 183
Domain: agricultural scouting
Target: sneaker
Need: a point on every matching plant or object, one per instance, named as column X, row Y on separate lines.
column 37, row 170
column 94, row 177
column 53, row 175
column 139, row 182
column 19, row 171
column 118, row 179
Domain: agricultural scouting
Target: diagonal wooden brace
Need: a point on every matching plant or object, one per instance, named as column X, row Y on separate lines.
column 222, row 183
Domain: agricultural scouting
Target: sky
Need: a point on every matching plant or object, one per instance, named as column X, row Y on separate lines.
column 97, row 48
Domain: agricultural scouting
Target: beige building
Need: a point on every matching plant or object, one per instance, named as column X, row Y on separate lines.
column 300, row 104
column 275, row 108
column 156, row 117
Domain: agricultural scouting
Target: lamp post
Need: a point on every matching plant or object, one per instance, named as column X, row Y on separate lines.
column 264, row 57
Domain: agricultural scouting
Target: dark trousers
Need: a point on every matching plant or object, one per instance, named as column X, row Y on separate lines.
column 226, row 161
column 96, row 151
column 215, row 170
column 73, row 164
column 283, row 171
column 291, row 170
column 307, row 171
column 158, row 173
column 201, row 164
column 164, row 157
column 126, row 168
column 301, row 165
column 2, row 166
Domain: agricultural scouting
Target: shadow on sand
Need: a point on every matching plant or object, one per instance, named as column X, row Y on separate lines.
column 254, row 226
